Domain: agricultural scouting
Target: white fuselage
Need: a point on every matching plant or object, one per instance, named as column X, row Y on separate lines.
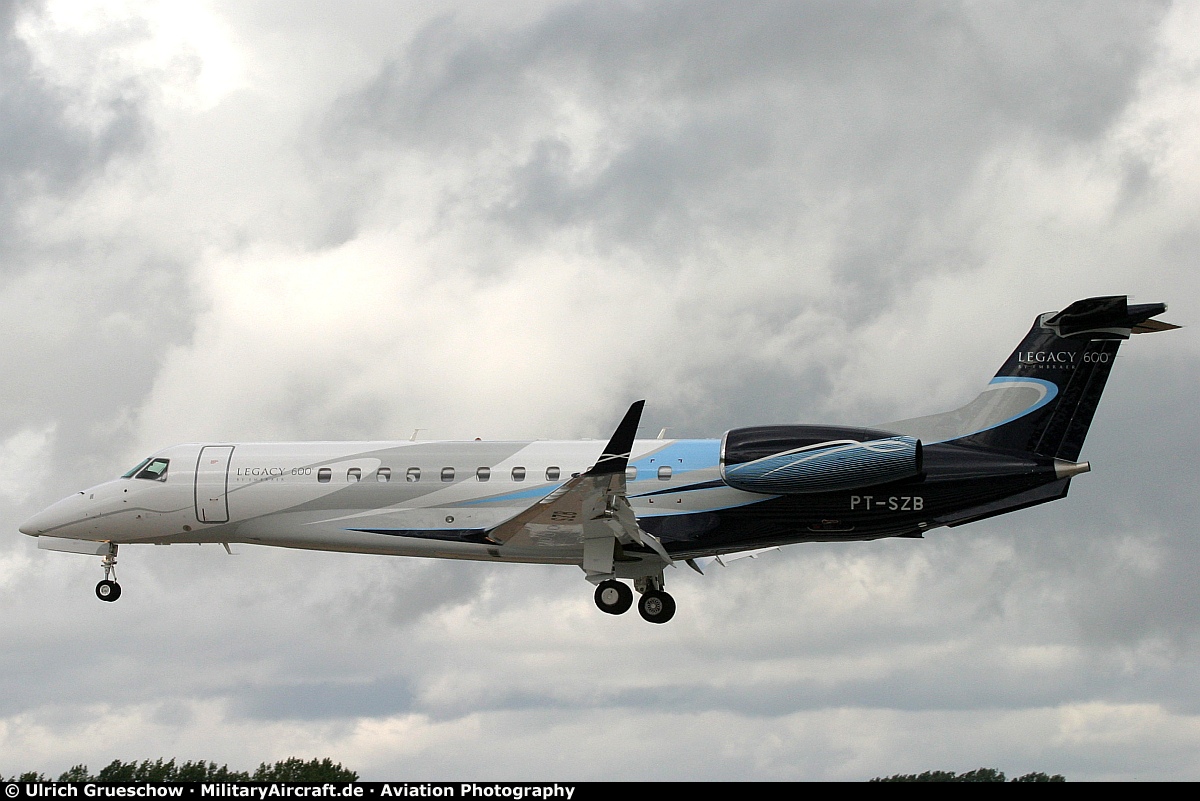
column 433, row 499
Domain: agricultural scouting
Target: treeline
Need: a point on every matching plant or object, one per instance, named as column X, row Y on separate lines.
column 977, row 775
column 326, row 770
column 158, row 771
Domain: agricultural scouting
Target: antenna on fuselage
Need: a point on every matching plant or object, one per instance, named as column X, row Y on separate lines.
column 663, row 435
column 416, row 431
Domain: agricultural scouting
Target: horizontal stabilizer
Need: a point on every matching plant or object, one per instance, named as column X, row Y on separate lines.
column 1106, row 316
column 1152, row 326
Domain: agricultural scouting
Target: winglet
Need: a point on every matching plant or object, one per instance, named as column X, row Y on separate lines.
column 616, row 453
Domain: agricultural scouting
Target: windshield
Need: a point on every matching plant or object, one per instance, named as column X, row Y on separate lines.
column 152, row 469
column 134, row 471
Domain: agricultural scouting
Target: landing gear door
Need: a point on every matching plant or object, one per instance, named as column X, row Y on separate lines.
column 212, row 483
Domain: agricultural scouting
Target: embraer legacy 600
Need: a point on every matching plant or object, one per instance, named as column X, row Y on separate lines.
column 637, row 506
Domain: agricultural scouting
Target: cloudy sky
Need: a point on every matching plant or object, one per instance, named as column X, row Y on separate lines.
column 280, row 220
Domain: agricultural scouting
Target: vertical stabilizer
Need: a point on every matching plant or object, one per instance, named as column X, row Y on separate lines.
column 1044, row 397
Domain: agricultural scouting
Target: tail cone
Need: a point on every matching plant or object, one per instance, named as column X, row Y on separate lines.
column 1065, row 469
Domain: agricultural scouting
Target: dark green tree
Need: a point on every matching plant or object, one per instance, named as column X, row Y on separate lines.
column 160, row 771
column 1041, row 777
column 297, row 770
column 79, row 773
column 977, row 775
column 927, row 776
column 156, row 772
column 209, row 772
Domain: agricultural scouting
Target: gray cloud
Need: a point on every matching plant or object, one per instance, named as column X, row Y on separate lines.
column 41, row 149
column 718, row 119
column 101, row 309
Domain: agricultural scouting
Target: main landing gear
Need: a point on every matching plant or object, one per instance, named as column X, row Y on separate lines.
column 109, row 590
column 656, row 605
column 614, row 597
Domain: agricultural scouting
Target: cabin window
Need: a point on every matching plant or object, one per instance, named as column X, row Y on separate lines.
column 483, row 474
column 518, row 474
column 630, row 473
column 413, row 475
column 156, row 470
column 383, row 475
column 552, row 473
column 354, row 475
column 664, row 473
column 447, row 474
column 324, row 474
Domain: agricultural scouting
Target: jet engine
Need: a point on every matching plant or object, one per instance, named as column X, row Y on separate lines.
column 785, row 460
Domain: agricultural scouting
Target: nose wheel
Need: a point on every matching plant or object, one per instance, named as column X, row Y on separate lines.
column 108, row 589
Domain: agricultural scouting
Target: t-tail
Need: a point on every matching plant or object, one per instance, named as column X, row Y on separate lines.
column 1043, row 399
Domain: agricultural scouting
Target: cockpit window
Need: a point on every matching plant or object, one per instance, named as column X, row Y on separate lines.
column 155, row 470
column 135, row 470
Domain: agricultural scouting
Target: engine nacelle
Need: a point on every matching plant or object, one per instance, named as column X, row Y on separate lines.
column 786, row 460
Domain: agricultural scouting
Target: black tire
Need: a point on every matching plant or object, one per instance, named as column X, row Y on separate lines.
column 108, row 590
column 613, row 597
column 656, row 606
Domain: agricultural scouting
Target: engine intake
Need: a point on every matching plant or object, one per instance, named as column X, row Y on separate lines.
column 785, row 460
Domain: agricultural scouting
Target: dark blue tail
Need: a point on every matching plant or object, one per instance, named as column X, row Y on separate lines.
column 1043, row 399
column 1045, row 395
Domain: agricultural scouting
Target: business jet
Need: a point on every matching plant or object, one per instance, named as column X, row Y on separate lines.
column 628, row 510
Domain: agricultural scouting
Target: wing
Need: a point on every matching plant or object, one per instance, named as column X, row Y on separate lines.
column 590, row 510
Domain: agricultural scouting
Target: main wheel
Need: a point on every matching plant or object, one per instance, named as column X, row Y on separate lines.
column 108, row 590
column 656, row 606
column 613, row 597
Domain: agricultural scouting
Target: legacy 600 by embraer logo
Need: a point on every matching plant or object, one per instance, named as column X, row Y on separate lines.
column 1062, row 357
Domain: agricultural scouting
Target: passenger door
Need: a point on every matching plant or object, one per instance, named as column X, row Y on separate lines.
column 212, row 483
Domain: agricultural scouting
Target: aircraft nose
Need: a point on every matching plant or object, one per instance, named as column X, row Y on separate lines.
column 33, row 526
column 55, row 516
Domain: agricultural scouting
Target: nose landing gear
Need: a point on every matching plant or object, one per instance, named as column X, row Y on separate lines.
column 109, row 590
